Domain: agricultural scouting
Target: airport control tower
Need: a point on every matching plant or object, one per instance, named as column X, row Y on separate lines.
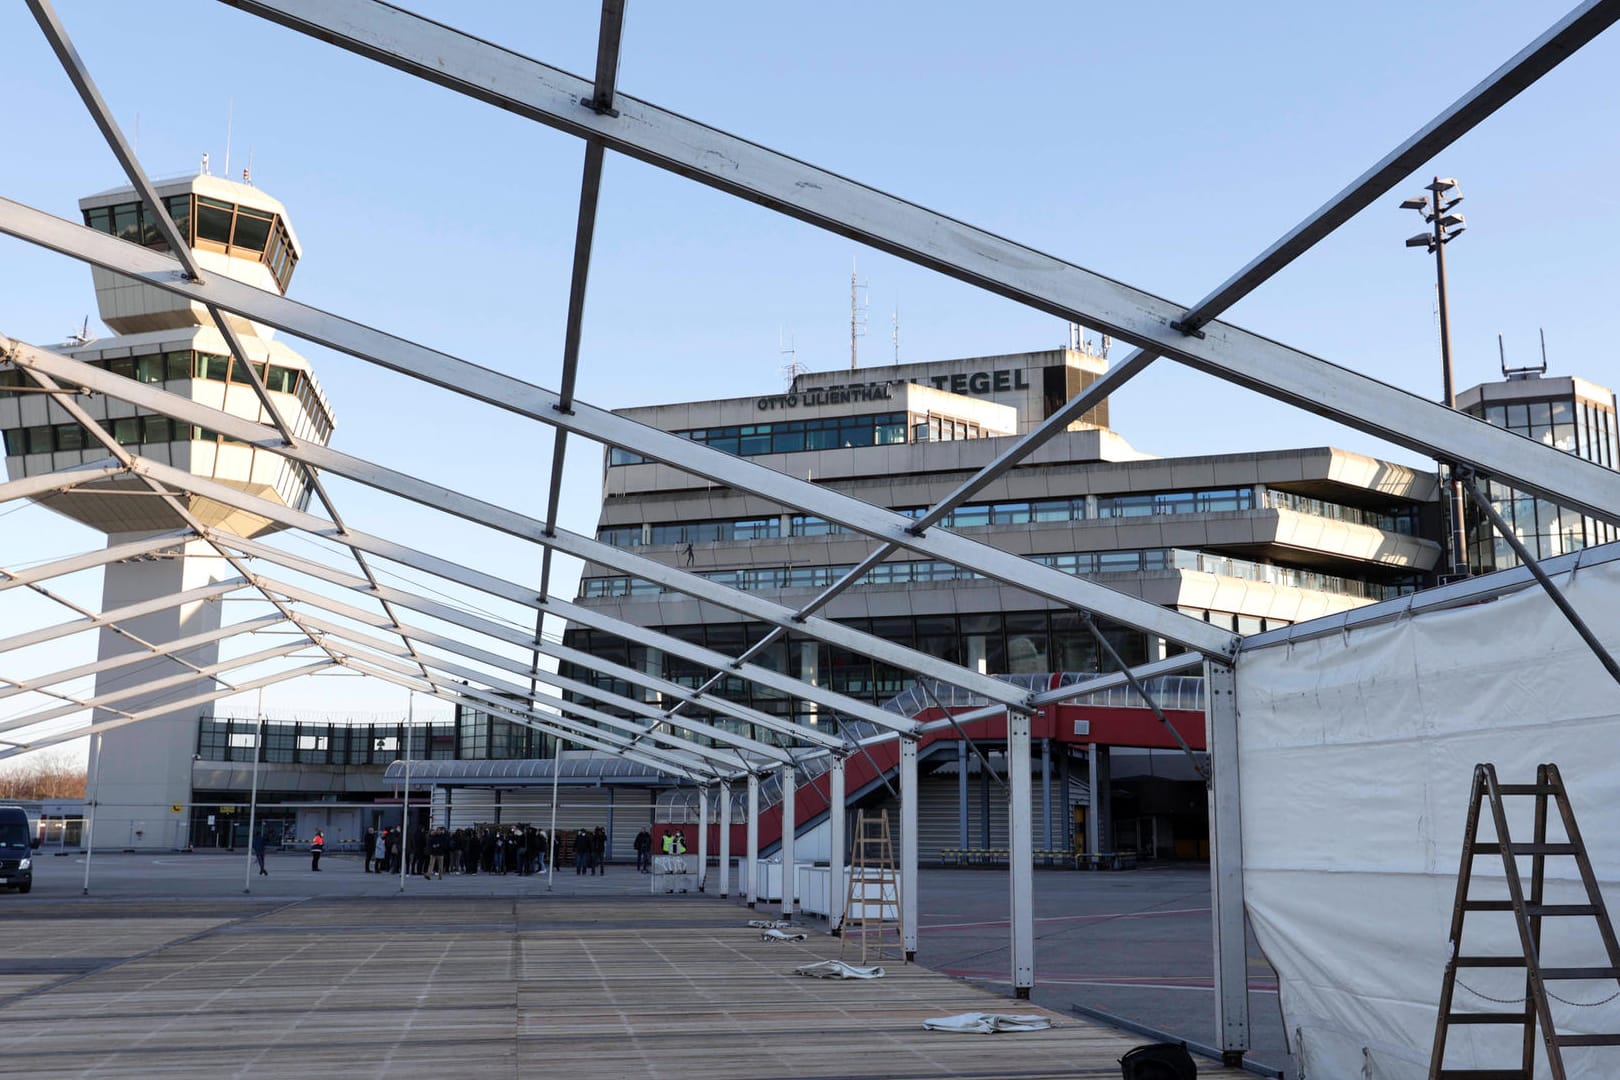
column 144, row 778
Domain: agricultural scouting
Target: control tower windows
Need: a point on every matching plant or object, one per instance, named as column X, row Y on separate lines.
column 208, row 225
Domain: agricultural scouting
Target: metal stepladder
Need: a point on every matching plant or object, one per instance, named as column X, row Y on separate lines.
column 872, row 898
column 1528, row 913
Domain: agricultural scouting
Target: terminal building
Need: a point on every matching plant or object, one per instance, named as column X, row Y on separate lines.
column 1250, row 541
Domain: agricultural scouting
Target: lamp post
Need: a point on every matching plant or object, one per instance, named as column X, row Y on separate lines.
column 1436, row 210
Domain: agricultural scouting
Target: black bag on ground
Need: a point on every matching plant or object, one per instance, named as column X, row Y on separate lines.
column 1159, row 1061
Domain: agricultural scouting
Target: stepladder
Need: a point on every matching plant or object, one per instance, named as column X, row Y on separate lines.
column 872, row 911
column 1561, row 957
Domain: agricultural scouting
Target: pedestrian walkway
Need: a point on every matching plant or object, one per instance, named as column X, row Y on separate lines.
column 451, row 984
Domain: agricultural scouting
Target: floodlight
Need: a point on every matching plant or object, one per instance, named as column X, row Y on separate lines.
column 1441, row 183
column 1417, row 202
column 1422, row 239
column 1451, row 220
column 1454, row 233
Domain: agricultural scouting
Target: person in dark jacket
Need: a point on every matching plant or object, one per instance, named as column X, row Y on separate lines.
column 368, row 847
column 259, row 845
column 644, row 851
column 582, row 851
column 599, row 846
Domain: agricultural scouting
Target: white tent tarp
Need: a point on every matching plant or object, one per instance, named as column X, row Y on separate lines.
column 1357, row 754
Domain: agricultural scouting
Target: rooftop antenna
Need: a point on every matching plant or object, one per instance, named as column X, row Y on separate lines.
column 859, row 301
column 230, row 108
column 1523, row 372
column 1077, row 337
column 247, row 173
column 205, row 171
column 897, row 333
column 792, row 369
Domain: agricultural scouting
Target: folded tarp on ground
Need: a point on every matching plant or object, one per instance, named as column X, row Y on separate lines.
column 837, row 969
column 979, row 1023
column 778, row 935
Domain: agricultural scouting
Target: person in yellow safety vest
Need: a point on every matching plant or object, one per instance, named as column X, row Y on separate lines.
column 674, row 843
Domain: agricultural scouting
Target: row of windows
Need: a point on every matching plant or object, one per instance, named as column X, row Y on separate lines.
column 1019, row 512
column 128, row 431
column 1545, row 528
column 789, row 436
column 946, row 429
column 207, row 224
column 1549, row 422
column 1080, row 564
column 178, row 365
column 475, row 735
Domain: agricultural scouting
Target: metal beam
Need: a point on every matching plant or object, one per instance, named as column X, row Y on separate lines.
column 111, row 619
column 664, row 139
column 168, row 707
column 506, row 634
column 407, row 358
column 156, row 652
column 45, row 484
column 148, row 545
column 441, row 498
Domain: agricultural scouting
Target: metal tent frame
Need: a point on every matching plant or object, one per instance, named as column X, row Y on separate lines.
column 332, row 632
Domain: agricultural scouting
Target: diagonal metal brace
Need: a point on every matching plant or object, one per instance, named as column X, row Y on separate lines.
column 1199, row 767
column 1470, row 484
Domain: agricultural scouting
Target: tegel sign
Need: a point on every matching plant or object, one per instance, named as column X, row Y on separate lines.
column 980, row 382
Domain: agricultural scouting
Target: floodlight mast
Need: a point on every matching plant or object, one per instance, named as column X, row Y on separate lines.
column 1435, row 209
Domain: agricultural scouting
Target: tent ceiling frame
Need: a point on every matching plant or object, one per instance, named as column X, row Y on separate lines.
column 502, row 519
column 510, row 635
column 525, row 399
column 79, row 75
column 666, row 140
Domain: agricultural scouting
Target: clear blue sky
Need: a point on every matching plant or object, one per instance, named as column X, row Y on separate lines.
column 1160, row 144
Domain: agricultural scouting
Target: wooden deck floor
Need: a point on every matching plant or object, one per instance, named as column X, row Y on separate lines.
column 577, row 988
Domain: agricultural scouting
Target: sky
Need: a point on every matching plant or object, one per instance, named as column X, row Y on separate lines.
column 1160, row 144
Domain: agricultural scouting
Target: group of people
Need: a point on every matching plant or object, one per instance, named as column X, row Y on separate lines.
column 590, row 851
column 486, row 849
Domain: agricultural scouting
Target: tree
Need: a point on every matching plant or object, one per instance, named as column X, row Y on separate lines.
column 53, row 774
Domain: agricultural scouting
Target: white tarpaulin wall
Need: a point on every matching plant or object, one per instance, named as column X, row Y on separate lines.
column 1356, row 760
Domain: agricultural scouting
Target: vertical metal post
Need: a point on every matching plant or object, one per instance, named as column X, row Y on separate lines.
column 725, row 840
column 703, row 837
column 790, row 824
column 1020, row 854
column 90, row 813
column 405, row 804
column 1100, row 814
column 836, row 890
column 908, row 846
column 1046, row 794
column 1226, row 864
column 253, row 798
column 551, row 839
column 985, row 839
column 752, row 891
column 963, row 840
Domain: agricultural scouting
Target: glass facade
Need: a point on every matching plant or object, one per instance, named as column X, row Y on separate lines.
column 1081, row 564
column 1546, row 529
column 789, row 436
column 473, row 735
column 207, row 225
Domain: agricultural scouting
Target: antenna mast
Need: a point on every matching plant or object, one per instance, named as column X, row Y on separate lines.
column 792, row 369
column 858, row 304
column 897, row 333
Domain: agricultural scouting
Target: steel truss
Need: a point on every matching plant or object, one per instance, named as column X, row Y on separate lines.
column 606, row 120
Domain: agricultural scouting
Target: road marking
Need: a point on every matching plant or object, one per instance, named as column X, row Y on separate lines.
column 1108, row 917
